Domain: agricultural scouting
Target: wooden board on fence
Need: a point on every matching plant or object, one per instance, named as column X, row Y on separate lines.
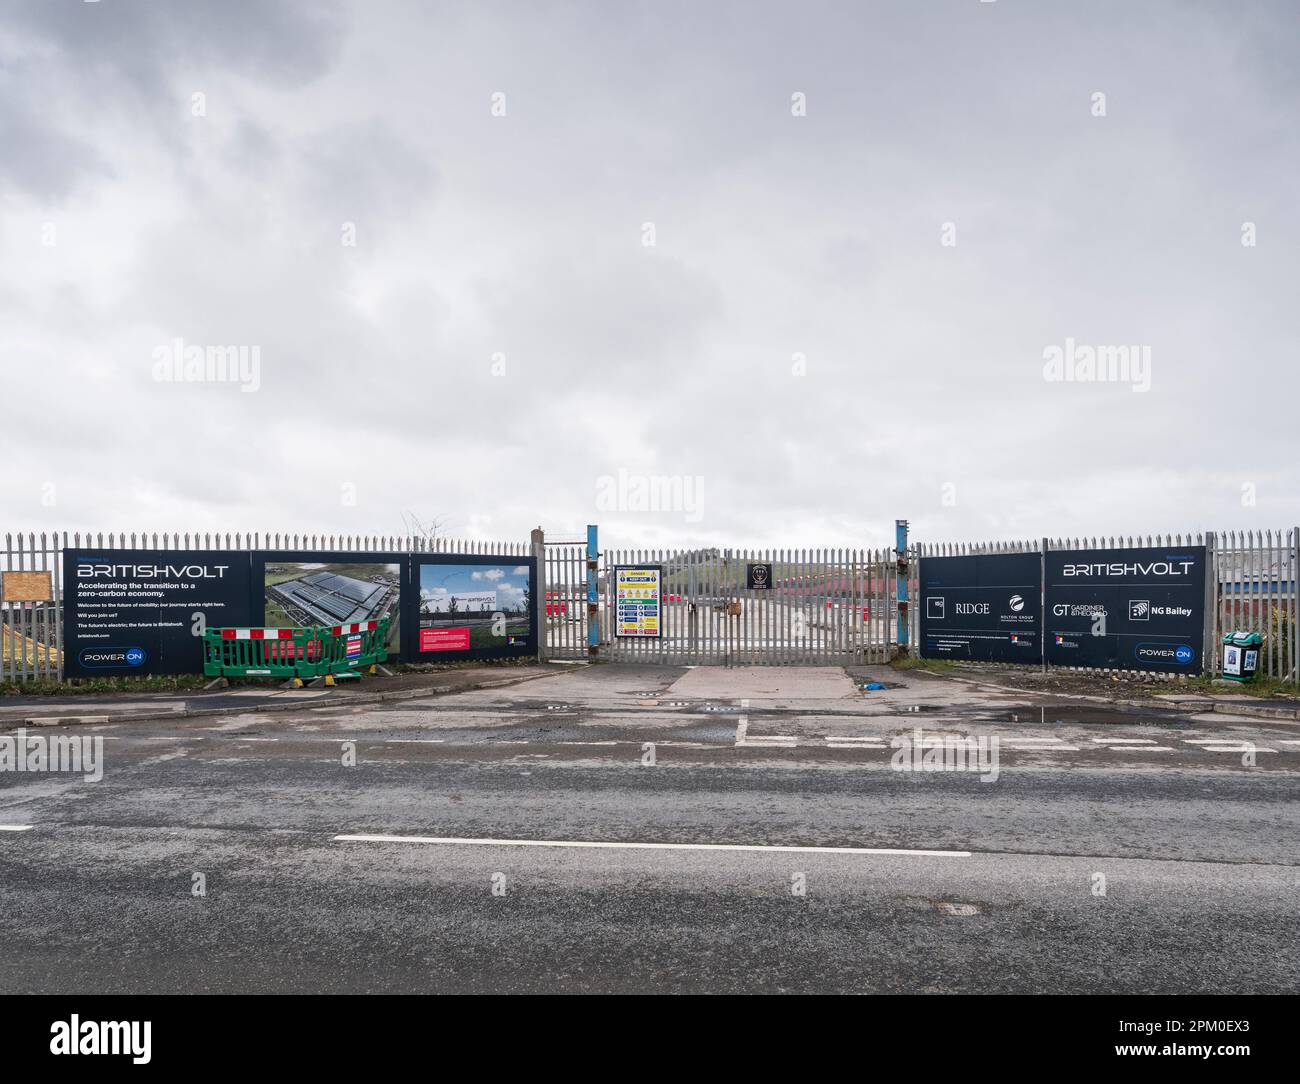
column 26, row 587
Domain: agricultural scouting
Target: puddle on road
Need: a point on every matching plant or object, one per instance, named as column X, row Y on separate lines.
column 1075, row 715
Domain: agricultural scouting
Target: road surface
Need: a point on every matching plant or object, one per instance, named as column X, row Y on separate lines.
column 633, row 829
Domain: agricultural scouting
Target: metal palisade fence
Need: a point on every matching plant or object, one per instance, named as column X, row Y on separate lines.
column 827, row 606
column 31, row 632
column 1252, row 585
column 563, row 572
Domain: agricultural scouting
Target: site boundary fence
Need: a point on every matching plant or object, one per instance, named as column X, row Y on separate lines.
column 31, row 632
column 830, row 606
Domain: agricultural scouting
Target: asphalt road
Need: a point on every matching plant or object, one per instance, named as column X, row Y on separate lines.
column 997, row 888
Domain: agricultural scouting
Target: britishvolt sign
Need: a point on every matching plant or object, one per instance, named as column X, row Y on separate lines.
column 144, row 611
column 1131, row 609
column 983, row 607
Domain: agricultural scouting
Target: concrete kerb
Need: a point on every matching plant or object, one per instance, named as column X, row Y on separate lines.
column 1195, row 706
column 259, row 709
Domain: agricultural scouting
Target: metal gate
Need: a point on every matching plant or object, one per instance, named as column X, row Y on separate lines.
column 829, row 607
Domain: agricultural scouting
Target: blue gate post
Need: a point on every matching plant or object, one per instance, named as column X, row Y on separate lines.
column 593, row 598
column 900, row 546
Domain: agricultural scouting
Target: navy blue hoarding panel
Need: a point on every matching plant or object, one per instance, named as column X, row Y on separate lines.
column 470, row 607
column 984, row 608
column 137, row 612
column 1130, row 609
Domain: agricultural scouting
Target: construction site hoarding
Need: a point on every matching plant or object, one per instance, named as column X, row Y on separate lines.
column 471, row 607
column 146, row 611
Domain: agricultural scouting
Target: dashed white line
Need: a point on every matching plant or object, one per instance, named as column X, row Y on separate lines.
column 1140, row 748
column 1031, row 741
column 603, row 845
column 1042, row 747
column 1123, row 741
column 1240, row 747
column 15, row 827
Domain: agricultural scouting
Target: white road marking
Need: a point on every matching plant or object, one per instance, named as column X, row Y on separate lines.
column 15, row 827
column 454, row 840
column 1042, row 747
column 409, row 741
column 1124, row 741
column 239, row 738
column 851, row 745
column 1140, row 748
column 1239, row 747
column 1030, row 741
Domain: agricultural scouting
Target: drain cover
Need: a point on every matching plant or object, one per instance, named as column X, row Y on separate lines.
column 958, row 910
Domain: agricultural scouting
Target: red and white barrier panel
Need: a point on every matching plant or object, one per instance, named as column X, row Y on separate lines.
column 257, row 634
column 358, row 626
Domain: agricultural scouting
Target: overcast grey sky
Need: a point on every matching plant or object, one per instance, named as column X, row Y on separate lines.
column 802, row 350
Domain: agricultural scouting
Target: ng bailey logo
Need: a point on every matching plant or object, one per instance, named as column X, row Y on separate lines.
column 1139, row 609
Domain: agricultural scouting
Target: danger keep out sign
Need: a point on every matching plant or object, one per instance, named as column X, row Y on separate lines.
column 638, row 600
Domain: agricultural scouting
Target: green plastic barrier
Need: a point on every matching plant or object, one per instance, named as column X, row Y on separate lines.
column 302, row 653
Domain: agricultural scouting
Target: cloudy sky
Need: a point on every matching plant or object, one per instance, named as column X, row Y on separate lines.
column 733, row 274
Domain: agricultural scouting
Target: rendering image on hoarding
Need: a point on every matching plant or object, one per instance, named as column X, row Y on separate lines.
column 300, row 593
column 475, row 607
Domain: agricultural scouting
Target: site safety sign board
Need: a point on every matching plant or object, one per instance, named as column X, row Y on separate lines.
column 638, row 600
